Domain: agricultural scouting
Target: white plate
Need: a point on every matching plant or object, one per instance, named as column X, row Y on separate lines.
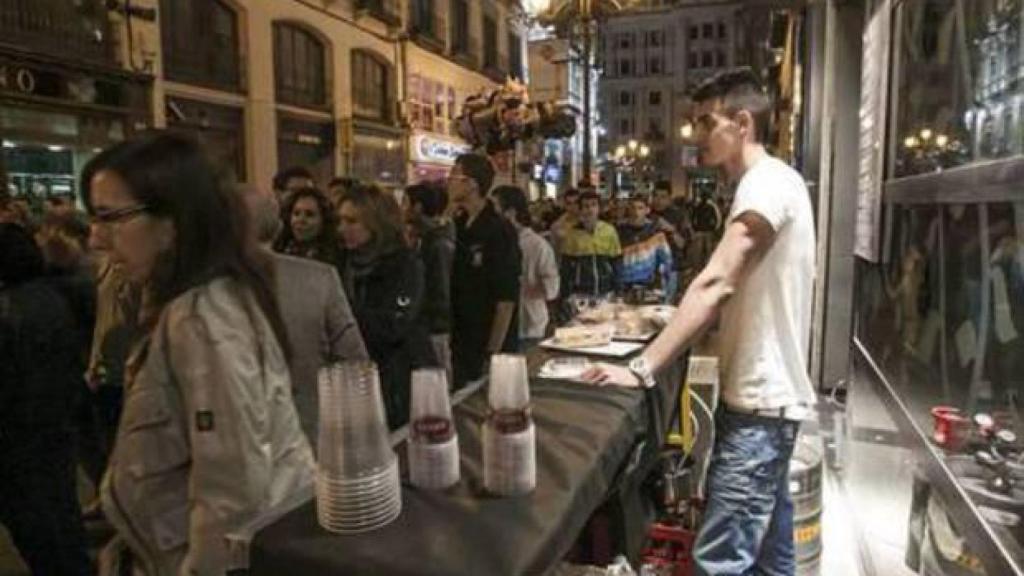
column 614, row 349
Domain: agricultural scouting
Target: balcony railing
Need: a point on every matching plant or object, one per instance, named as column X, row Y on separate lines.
column 58, row 28
column 387, row 11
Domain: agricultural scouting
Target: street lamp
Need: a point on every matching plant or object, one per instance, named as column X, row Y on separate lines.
column 686, row 131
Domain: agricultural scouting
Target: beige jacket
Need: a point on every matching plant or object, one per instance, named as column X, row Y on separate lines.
column 209, row 436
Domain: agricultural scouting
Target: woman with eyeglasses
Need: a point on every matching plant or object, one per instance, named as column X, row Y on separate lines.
column 209, row 437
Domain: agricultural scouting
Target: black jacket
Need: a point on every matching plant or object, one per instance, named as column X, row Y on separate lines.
column 41, row 364
column 387, row 299
column 437, row 251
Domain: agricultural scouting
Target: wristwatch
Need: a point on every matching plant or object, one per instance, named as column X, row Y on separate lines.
column 642, row 370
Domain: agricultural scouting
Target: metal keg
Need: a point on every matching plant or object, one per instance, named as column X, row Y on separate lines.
column 805, row 476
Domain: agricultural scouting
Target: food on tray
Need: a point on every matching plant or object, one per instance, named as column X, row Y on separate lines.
column 566, row 368
column 659, row 315
column 583, row 336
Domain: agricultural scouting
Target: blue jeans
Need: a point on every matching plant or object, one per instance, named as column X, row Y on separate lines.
column 748, row 522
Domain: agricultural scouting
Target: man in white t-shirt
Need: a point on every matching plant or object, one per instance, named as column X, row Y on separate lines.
column 758, row 283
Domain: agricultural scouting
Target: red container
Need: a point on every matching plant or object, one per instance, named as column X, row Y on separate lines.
column 669, row 545
column 950, row 429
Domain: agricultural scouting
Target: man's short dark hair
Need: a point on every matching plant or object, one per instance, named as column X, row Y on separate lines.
column 571, row 195
column 479, row 168
column 739, row 89
column 589, row 195
column 640, row 197
column 281, row 178
column 431, row 197
column 513, row 198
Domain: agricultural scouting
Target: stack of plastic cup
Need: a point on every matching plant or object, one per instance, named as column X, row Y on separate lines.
column 357, row 482
column 433, row 444
column 509, row 440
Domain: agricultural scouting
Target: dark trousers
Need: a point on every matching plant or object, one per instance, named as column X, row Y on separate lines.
column 38, row 503
column 97, row 419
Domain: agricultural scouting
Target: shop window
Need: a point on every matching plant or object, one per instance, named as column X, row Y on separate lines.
column 460, row 26
column 307, row 143
column 979, row 113
column 200, row 43
column 371, row 86
column 221, row 129
column 299, row 67
column 490, row 41
column 432, row 105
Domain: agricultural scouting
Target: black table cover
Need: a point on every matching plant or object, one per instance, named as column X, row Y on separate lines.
column 591, row 442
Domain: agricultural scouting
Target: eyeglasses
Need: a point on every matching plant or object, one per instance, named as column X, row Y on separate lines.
column 116, row 216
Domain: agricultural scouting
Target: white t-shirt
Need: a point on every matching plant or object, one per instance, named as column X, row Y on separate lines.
column 539, row 268
column 766, row 325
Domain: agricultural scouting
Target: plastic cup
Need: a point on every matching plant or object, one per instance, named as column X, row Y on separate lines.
column 509, row 385
column 430, row 394
column 434, row 445
column 353, row 438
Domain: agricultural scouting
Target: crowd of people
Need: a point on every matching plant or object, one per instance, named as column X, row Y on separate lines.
column 167, row 340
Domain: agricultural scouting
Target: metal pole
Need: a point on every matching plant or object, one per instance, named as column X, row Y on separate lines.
column 586, row 99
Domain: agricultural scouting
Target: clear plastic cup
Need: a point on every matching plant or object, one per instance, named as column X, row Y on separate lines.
column 430, row 394
column 509, row 385
column 353, row 439
column 357, row 482
column 433, row 445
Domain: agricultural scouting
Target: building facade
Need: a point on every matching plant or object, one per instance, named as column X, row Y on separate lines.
column 652, row 56
column 557, row 74
column 366, row 88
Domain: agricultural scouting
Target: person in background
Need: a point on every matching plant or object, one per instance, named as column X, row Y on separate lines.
column 311, row 230
column 384, row 281
column 646, row 256
column 434, row 236
column 672, row 218
column 337, row 187
column 320, row 324
column 759, row 287
column 209, row 438
column 591, row 254
column 569, row 218
column 539, row 281
column 40, row 375
column 63, row 239
column 290, row 180
column 117, row 330
column 485, row 274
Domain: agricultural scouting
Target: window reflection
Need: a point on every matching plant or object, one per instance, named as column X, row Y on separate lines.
column 960, row 93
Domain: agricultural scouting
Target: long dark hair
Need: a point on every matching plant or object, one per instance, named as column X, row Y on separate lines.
column 326, row 244
column 171, row 175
